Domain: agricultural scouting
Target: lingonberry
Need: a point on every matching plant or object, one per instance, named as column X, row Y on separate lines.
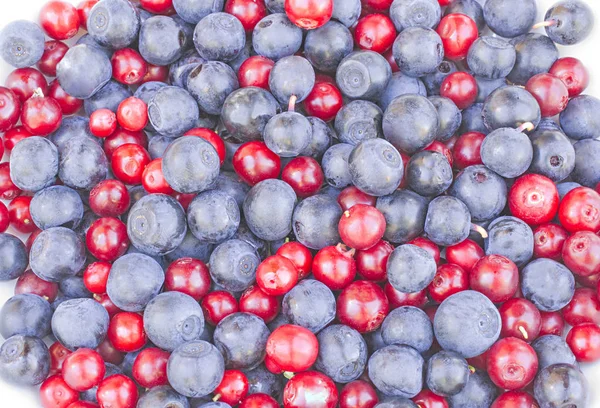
column 512, row 363
column 324, row 101
column 156, row 73
column 128, row 163
column 254, row 162
column 458, row 32
column 550, row 92
column 362, row 305
column 4, row 218
column 255, row 72
column 300, row 256
column 310, row 386
column 189, row 276
column 41, row 115
column 10, row 109
column 95, row 276
column 389, row 56
column 83, row 9
column 257, row 302
column 109, row 198
column 375, row 32
column 58, row 354
column 309, row 14
column 304, row 175
column 461, row 88
column 29, row 282
column 128, row 66
column 117, row 391
column 259, row 401
column 211, row 137
column 25, row 81
column 358, row 394
column 581, row 253
column 464, row 254
column 579, row 210
column 55, row 393
column 153, row 179
column 573, row 73
column 514, row 399
column 103, row 122
column 449, row 279
column 157, row 6
column 292, row 348
column 334, row 266
column 121, row 137
column 552, row 323
column 371, row 263
column 399, row 299
column 54, row 51
column 495, row 276
column 584, row 341
column 107, row 239
column 106, row 303
column 437, row 146
column 467, row 150
column 427, row 399
column 8, row 190
column 350, row 196
column 361, row 226
column 14, row 136
column 150, row 367
column 583, row 308
column 132, row 114
column 83, row 369
column 276, row 275
column 249, row 12
column 68, row 104
column 380, row 5
column 534, row 199
column 218, row 305
column 20, row 217
column 548, row 241
column 233, row 388
column 126, row 332
column 428, row 246
column 109, row 353
column 520, row 319
column 59, row 19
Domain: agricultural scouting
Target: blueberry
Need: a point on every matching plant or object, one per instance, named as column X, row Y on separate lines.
column 486, row 86
column 449, row 117
column 415, row 13
column 25, row 315
column 447, row 373
column 502, row 18
column 210, row 84
column 287, row 134
column 309, row 304
column 275, row 37
column 470, row 8
column 180, row 69
column 536, row 53
column 73, row 287
column 320, row 141
column 108, row 97
column 190, row 164
column 483, row 192
column 246, row 112
column 172, row 319
column 428, row 173
column 326, row 46
column 363, row 75
column 397, row 370
column 472, row 120
column 233, row 265
column 172, row 111
column 83, row 163
column 342, row 353
column 335, row 165
column 213, row 216
column 480, row 392
column 80, row 323
column 242, row 340
column 510, row 106
column 573, row 22
column 244, row 234
column 89, row 40
column 291, row 76
column 24, row 361
column 548, row 284
column 510, row 237
column 13, row 257
column 56, row 206
column 579, row 120
column 195, row 368
column 374, row 340
column 110, row 369
column 433, row 81
column 219, row 37
column 448, row 221
column 192, row 11
column 587, row 165
column 161, row 40
column 375, row 167
column 507, row 151
column 56, row 254
column 315, row 221
column 157, row 145
column 162, row 397
column 553, row 155
column 275, row 6
column 564, row 188
column 229, row 183
column 217, row 404
column 418, row 51
column 561, row 385
column 346, row 12
column 552, row 350
column 404, row 213
column 156, row 224
column 262, row 381
column 491, row 57
column 22, row 43
column 467, row 323
column 357, row 121
column 70, row 128
column 401, row 84
column 396, row 402
column 268, row 209
column 410, row 123
column 409, row 326
column 113, row 23
column 34, row 163
column 244, row 54
column 410, row 269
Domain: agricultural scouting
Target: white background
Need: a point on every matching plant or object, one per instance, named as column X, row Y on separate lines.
column 588, row 52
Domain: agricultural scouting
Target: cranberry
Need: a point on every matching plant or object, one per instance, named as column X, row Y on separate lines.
column 25, row 81
column 128, row 66
column 14, row 136
column 467, row 150
column 371, row 263
column 121, row 137
column 464, row 254
column 109, row 353
column 117, row 391
column 324, row 101
column 60, row 20
column 309, row 14
column 20, row 217
column 362, row 226
column 304, row 175
column 439, row 147
column 350, row 196
column 54, row 51
column 461, row 88
column 449, row 279
column 389, row 56
column 405, row 160
column 55, row 393
column 573, row 73
column 233, row 387
column 362, row 305
column 189, row 276
column 106, row 303
column 276, row 275
column 259, row 400
column 375, row 32
column 249, row 12
column 109, row 198
column 514, row 399
column 150, row 367
column 458, row 32
column 156, row 73
column 495, row 276
column 83, row 369
column 8, row 190
column 520, row 319
column 218, row 305
column 68, row 104
column 292, row 348
column 103, row 122
column 310, row 389
column 580, row 210
column 10, row 109
column 255, row 72
column 512, row 363
column 591, row 281
column 399, row 299
column 534, row 199
column 82, row 404
column 29, row 282
column 212, row 138
column 358, row 394
column 132, row 114
column 552, row 323
column 254, row 162
column 581, row 253
column 257, row 302
column 107, row 239
column 128, row 163
column 550, row 92
column 300, row 256
column 334, row 266
column 32, row 238
column 427, row 399
column 548, row 241
column 584, row 341
column 126, row 332
column 41, row 115
column 153, row 179
column 428, row 246
column 83, row 9
column 184, row 199
column 583, row 308
column 4, row 218
column 479, row 361
column 95, row 277
column 380, row 5
column 58, row 354
column 157, row 6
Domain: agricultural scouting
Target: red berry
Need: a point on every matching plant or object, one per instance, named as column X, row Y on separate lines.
column 550, row 92
column 292, row 348
column 310, row 389
column 467, row 150
column 153, row 179
column 103, row 122
column 249, row 12
column 189, row 276
column 495, row 276
column 583, row 308
column 358, row 394
column 584, row 341
column 427, row 399
column 362, row 226
column 117, row 391
column 254, row 162
column 54, row 51
column 380, row 5
column 304, row 175
column 83, row 9
column 514, row 399
column 29, row 282
column 548, row 241
column 156, row 73
column 128, row 66
column 334, row 266
column 121, row 137
column 257, row 302
column 458, row 32
column 520, row 319
column 350, row 196
column 276, row 275
column 68, row 104
column 14, row 136
column 20, row 217
column 59, row 19
column 24, row 82
column 534, row 199
column 110, row 307
column 581, row 253
column 309, row 14
column 212, row 138
column 83, row 404
column 362, row 305
column 389, row 56
column 259, row 400
column 109, row 198
column 150, row 367
column 255, row 72
column 324, row 101
column 300, row 256
column 218, row 305
column 371, row 263
column 126, row 332
column 461, row 88
column 83, row 369
column 128, row 163
column 10, row 109
column 375, row 32
column 449, row 279
column 464, row 254
column 552, row 323
column 428, row 246
column 157, row 6
column 8, row 190
column 58, row 354
column 512, row 363
column 399, row 299
column 132, row 114
column 109, row 353
column 233, row 387
column 41, row 115
column 107, row 239
column 579, row 210
column 55, row 393
column 437, row 146
column 95, row 277
column 573, row 73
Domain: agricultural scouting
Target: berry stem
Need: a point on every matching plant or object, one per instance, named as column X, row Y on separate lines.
column 288, row 374
column 480, row 230
column 292, row 103
column 548, row 23
column 527, row 126
column 216, row 397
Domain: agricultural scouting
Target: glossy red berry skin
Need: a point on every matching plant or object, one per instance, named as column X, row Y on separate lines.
column 83, row 9
column 512, row 363
column 573, row 73
column 467, row 150
column 300, row 256
column 107, row 239
column 398, row 299
column 95, row 277
column 461, row 88
column 334, row 266
column 427, row 399
column 579, row 210
column 515, row 399
column 157, row 6
column 309, row 14
column 548, row 241
column 350, row 196
column 83, row 369
column 128, row 163
column 14, row 136
column 109, row 198
column 259, row 401
column 109, row 353
column 156, row 73
column 588, row 281
column 189, row 276
column 428, row 246
column 128, row 66
column 464, row 254
column 126, row 332
column 583, row 308
column 10, row 109
column 68, row 104
column 449, row 279
column 117, row 391
column 233, row 387
column 371, row 263
column 55, row 393
column 375, row 32
column 218, row 305
column 362, row 226
column 324, row 101
column 550, row 92
column 150, row 367
column 495, row 276
column 58, row 354
column 254, row 162
column 4, row 217
column 153, row 179
column 59, row 19
column 520, row 319
column 292, row 348
column 110, row 307
column 54, row 51
column 29, row 282
column 276, row 275
column 379, row 5
column 358, row 394
column 552, row 323
column 8, row 190
column 362, row 305
column 458, row 32
column 437, row 146
column 82, row 404
column 41, row 115
column 132, row 114
column 20, row 217
column 304, row 175
column 24, row 81
column 249, row 12
column 584, row 341
column 310, row 389
column 212, row 138
column 534, row 199
column 581, row 253
column 122, row 137
column 255, row 72
column 257, row 302
column 103, row 123
column 32, row 238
